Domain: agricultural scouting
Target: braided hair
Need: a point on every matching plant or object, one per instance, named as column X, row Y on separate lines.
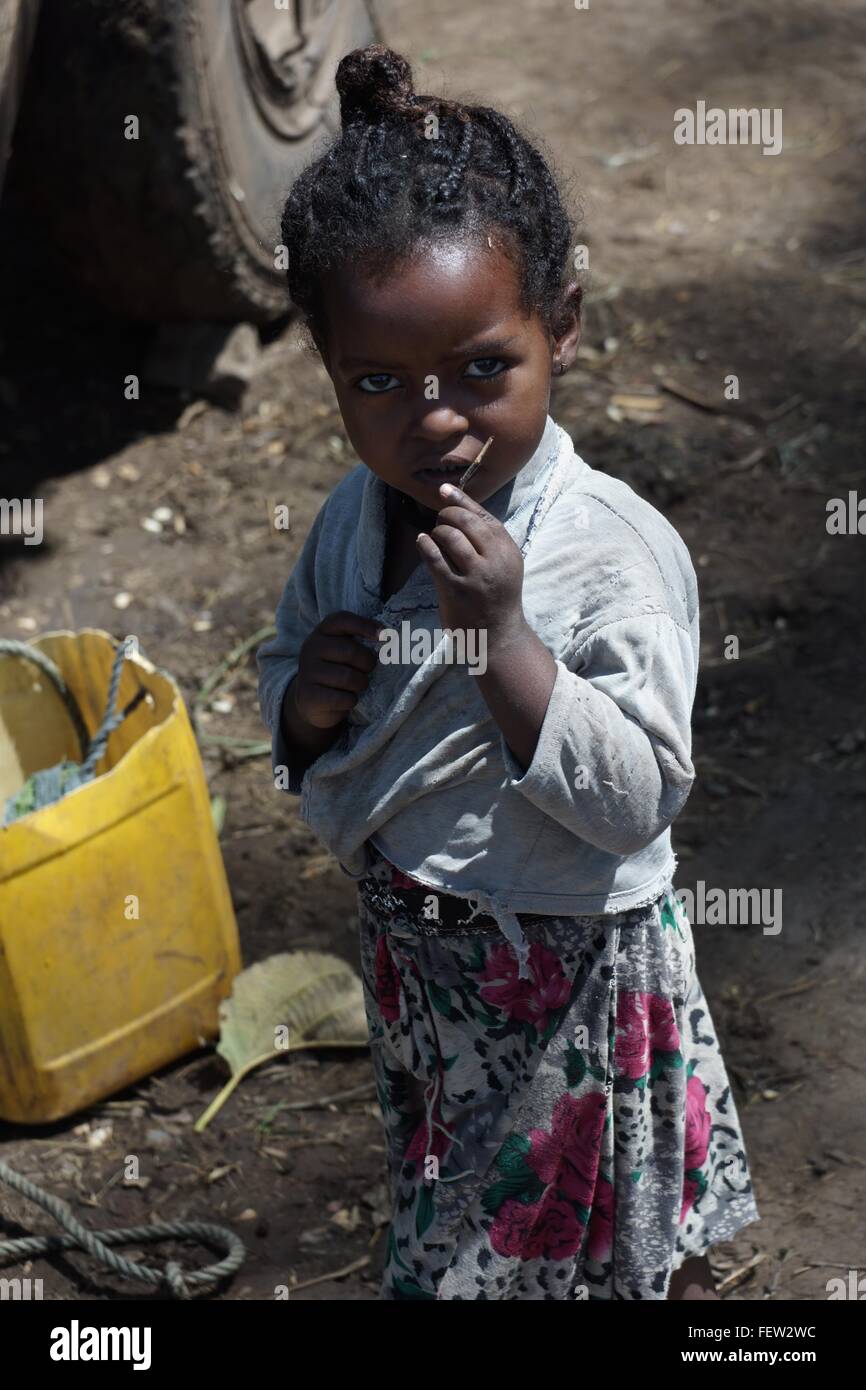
column 384, row 186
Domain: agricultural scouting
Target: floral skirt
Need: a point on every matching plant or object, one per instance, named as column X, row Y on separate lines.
column 568, row 1136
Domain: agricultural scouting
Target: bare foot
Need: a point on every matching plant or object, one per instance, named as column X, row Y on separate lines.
column 693, row 1280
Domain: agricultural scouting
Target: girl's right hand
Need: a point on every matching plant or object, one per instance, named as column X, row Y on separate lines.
column 334, row 668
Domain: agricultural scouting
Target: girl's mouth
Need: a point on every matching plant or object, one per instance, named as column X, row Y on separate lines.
column 442, row 475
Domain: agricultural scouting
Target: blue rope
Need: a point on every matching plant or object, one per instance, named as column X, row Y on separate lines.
column 49, row 785
column 110, row 720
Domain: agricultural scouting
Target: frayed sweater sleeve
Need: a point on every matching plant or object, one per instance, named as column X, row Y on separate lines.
column 277, row 660
column 613, row 758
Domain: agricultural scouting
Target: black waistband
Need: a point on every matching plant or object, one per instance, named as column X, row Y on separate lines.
column 428, row 909
column 433, row 911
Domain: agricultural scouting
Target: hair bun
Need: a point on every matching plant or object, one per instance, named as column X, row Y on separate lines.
column 372, row 81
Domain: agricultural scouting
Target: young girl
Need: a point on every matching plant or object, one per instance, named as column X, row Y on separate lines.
column 558, row 1117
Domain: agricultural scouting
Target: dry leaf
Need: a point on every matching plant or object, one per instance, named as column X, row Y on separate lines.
column 315, row 997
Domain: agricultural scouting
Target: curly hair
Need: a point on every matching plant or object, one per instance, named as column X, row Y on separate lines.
column 396, row 177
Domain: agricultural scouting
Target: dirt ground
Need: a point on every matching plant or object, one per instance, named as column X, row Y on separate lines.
column 704, row 262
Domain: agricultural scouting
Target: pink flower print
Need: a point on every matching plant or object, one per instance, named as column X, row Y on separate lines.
column 697, row 1138
column 530, row 1000
column 664, row 1036
column 645, row 1024
column 600, row 1234
column 568, row 1156
column 557, row 1232
column 387, row 982
column 509, row 1233
column 548, row 1230
column 631, row 1054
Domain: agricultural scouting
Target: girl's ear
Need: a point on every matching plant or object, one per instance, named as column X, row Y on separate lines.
column 566, row 330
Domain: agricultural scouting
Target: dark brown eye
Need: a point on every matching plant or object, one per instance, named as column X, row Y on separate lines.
column 496, row 361
column 379, row 377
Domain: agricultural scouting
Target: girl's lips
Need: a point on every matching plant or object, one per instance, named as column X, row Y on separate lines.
column 443, row 474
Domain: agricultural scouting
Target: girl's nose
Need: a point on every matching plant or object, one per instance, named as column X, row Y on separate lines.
column 437, row 421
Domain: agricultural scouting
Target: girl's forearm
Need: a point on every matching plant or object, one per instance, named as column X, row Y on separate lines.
column 516, row 686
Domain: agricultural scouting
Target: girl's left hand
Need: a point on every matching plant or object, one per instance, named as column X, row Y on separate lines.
column 476, row 567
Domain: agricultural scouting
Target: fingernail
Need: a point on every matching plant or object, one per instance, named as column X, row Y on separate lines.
column 449, row 490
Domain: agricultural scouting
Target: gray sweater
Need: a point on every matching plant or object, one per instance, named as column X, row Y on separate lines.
column 420, row 767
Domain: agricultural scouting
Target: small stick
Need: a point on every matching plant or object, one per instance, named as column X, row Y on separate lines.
column 738, row 1275
column 475, row 464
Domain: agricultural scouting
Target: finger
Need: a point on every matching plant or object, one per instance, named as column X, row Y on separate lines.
column 453, row 496
column 346, row 650
column 335, row 676
column 474, row 528
column 345, row 623
column 329, row 700
column 477, row 524
column 456, row 546
column 436, row 560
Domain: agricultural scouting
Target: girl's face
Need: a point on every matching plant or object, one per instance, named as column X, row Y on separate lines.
column 432, row 359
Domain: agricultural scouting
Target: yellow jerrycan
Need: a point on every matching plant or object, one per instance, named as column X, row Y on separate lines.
column 117, row 933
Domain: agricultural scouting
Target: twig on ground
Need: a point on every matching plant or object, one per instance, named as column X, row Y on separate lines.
column 335, row 1274
column 798, row 987
column 737, row 1276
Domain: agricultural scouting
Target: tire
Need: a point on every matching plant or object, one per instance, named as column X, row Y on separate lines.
column 181, row 222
